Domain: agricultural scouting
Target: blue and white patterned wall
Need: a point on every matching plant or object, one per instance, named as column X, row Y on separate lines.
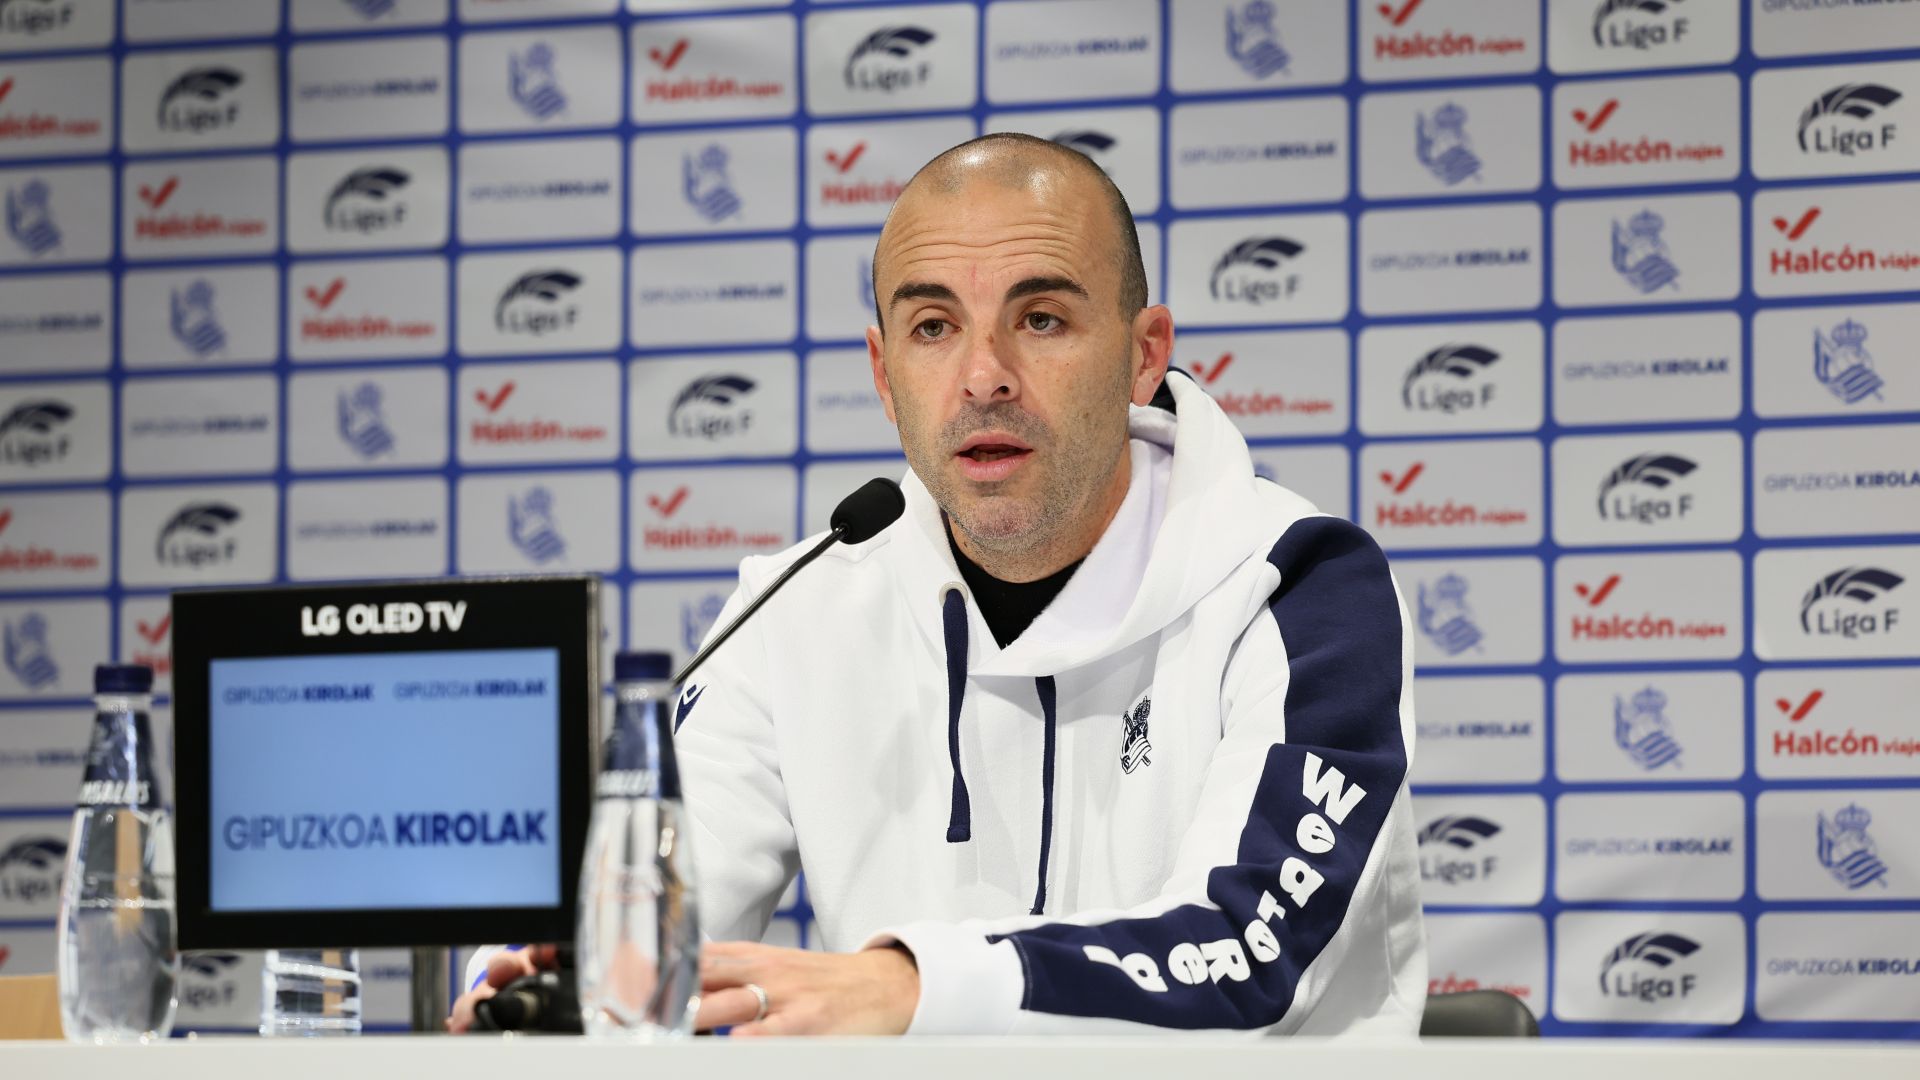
column 1604, row 316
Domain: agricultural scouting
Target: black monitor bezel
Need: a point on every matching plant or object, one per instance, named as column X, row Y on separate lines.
column 502, row 613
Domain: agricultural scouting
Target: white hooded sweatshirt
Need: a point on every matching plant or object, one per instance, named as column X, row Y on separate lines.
column 1178, row 800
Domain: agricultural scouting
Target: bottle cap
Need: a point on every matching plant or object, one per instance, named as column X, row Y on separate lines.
column 122, row 679
column 642, row 666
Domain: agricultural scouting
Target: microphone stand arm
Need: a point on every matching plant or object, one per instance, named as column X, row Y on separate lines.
column 700, row 657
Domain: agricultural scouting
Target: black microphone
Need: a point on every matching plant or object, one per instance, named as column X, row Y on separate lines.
column 859, row 517
column 543, row 1002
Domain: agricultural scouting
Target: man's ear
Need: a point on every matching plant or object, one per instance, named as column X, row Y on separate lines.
column 1152, row 349
column 876, row 355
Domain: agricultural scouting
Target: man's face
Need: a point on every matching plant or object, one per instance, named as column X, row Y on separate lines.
column 1005, row 361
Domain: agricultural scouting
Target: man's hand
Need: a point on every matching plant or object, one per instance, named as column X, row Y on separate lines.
column 502, row 969
column 868, row 993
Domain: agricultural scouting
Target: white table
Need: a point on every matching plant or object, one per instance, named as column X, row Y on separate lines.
column 549, row 1058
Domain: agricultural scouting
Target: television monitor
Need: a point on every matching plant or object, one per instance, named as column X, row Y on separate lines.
column 393, row 764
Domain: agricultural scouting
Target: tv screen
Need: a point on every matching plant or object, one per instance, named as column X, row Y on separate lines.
column 381, row 765
column 319, row 800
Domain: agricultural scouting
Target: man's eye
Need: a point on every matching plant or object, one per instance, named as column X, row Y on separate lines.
column 1042, row 321
column 931, row 330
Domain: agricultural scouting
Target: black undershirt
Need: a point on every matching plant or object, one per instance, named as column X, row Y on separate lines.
column 1008, row 606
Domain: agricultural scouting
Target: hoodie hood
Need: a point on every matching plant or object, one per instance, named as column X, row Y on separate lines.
column 1190, row 517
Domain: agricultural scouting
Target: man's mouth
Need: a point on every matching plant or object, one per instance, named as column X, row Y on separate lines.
column 992, row 457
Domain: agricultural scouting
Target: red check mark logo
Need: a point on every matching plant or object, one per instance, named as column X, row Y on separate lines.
column 1595, row 597
column 155, row 198
column 6, row 87
column 6, row 519
column 672, row 56
column 666, row 507
column 157, row 632
column 1599, row 118
column 1401, row 483
column 1799, row 228
column 499, row 398
column 842, row 162
column 1796, row 713
column 1401, row 16
column 324, row 300
column 1219, row 366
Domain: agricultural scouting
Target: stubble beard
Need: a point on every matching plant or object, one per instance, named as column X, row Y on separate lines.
column 1073, row 472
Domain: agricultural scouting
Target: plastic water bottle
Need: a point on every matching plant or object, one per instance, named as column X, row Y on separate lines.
column 306, row 992
column 117, row 958
column 638, row 941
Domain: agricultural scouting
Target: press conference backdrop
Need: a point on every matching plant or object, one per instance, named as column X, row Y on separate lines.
column 1602, row 315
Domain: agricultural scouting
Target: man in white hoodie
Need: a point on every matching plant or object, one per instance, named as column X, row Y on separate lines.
column 1105, row 734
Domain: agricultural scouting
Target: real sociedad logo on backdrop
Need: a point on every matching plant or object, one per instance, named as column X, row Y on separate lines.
column 1444, row 843
column 1252, row 271
column 30, row 221
column 367, row 201
column 889, row 60
column 535, row 304
column 712, row 407
column 1638, row 24
column 1450, row 379
column 363, row 427
column 1848, row 120
column 1846, row 850
column 533, row 83
column 1441, row 144
column 192, row 320
column 1253, row 42
column 706, row 185
column 1851, row 603
column 532, row 527
column 200, row 100
column 1842, row 364
column 1641, row 257
column 1657, row 471
column 697, row 618
column 30, row 870
column 1642, row 730
column 34, row 433
column 26, row 651
column 1650, row 968
column 198, row 535
column 31, row 18
column 1445, row 617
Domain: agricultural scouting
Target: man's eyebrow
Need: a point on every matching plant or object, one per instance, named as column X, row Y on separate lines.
column 1033, row 285
column 921, row 290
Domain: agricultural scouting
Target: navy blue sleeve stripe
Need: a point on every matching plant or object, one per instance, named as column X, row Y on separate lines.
column 1321, row 802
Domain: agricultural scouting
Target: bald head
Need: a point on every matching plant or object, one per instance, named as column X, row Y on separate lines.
column 1049, row 171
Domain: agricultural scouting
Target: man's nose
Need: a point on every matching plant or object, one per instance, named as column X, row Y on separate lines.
column 986, row 375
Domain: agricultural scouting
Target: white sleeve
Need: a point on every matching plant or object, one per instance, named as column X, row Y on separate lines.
column 744, row 850
column 1287, row 894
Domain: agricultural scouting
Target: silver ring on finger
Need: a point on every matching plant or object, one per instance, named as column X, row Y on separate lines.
column 760, row 994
